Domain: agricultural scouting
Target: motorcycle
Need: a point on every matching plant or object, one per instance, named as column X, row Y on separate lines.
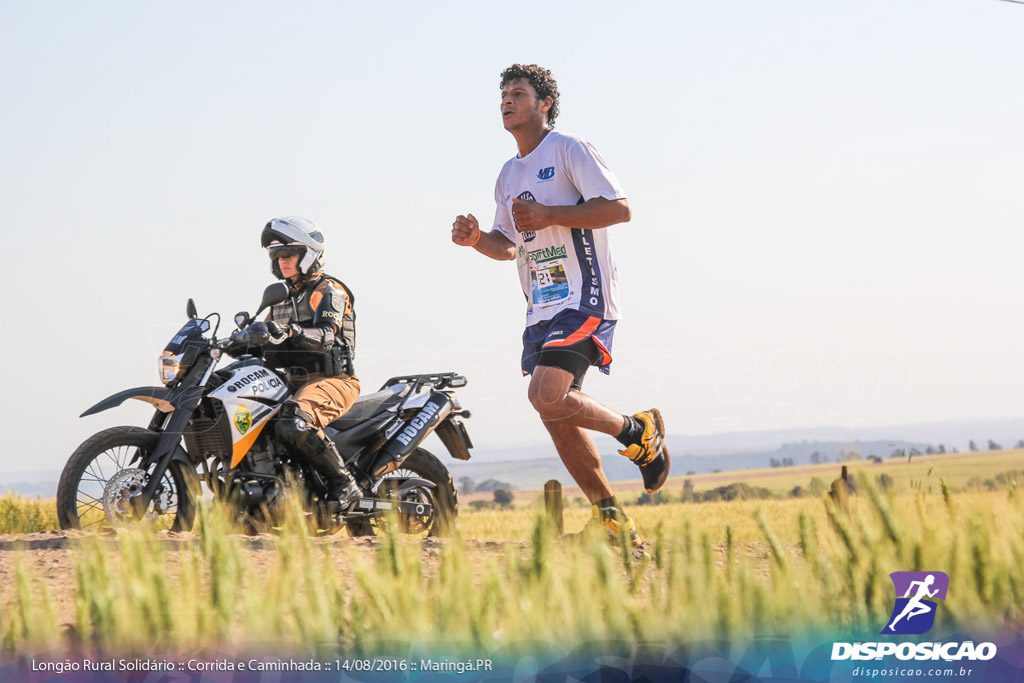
column 126, row 476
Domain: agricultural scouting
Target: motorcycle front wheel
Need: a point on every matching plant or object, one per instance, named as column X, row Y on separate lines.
column 102, row 476
column 442, row 498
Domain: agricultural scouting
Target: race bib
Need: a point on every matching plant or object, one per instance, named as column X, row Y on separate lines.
column 548, row 282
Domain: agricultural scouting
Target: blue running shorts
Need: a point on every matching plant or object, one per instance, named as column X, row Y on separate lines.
column 567, row 330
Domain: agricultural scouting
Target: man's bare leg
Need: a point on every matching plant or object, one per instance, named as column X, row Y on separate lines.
column 580, row 456
column 567, row 414
column 555, row 401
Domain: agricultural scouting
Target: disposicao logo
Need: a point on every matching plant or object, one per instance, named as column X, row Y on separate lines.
column 916, row 595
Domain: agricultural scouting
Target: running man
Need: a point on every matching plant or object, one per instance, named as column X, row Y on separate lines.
column 555, row 200
column 915, row 605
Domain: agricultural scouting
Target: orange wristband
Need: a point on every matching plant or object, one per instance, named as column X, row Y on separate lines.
column 478, row 234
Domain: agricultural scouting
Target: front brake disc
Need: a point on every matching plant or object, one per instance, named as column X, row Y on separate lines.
column 119, row 492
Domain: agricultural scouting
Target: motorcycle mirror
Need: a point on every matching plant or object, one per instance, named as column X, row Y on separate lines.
column 274, row 294
column 241, row 319
column 190, row 309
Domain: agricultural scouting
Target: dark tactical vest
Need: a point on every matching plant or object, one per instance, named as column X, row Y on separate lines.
column 330, row 362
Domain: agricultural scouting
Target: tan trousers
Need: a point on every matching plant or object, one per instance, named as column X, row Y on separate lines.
column 327, row 399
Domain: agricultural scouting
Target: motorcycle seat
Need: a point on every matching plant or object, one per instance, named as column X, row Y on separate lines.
column 371, row 405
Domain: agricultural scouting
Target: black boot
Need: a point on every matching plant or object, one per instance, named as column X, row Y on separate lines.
column 326, row 460
column 320, row 452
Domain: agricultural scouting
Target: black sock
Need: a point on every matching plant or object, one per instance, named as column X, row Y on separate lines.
column 632, row 431
column 609, row 509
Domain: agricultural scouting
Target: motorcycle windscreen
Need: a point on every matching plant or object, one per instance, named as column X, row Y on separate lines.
column 190, row 334
column 251, row 396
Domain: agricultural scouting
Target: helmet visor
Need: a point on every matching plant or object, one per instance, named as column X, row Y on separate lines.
column 284, row 251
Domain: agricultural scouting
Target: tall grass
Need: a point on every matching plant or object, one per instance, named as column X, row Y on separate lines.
column 802, row 566
column 21, row 515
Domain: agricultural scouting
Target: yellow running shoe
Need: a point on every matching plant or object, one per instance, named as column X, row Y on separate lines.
column 613, row 529
column 650, row 454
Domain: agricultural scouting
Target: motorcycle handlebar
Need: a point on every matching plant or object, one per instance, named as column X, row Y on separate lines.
column 256, row 334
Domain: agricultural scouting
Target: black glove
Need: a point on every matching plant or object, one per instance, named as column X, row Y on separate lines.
column 256, row 334
column 278, row 333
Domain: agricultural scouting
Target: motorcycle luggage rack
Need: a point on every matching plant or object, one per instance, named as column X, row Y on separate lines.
column 440, row 380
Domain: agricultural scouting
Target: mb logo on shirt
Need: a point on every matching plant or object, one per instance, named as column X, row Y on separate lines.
column 546, row 173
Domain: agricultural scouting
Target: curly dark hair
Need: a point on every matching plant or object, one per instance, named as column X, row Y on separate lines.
column 541, row 80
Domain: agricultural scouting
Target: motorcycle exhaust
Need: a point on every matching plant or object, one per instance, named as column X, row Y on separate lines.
column 405, row 441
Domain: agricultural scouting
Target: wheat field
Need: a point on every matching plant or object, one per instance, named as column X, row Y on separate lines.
column 508, row 582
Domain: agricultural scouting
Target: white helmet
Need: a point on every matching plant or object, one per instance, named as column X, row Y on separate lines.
column 296, row 234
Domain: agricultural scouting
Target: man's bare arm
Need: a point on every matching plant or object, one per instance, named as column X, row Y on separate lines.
column 466, row 232
column 590, row 215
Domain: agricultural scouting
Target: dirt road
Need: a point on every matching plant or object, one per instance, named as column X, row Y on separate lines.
column 49, row 559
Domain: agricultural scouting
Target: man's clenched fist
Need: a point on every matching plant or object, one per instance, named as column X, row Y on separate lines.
column 465, row 231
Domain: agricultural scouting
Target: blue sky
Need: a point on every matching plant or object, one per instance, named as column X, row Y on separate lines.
column 826, row 198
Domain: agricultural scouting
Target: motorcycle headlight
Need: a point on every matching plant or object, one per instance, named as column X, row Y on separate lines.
column 169, row 366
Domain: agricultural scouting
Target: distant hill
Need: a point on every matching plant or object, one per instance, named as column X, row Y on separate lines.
column 46, row 488
column 531, row 474
column 530, row 465
column 952, row 434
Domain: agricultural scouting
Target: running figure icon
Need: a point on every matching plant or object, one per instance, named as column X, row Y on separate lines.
column 915, row 606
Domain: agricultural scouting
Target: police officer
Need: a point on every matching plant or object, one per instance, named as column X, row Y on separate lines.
column 319, row 322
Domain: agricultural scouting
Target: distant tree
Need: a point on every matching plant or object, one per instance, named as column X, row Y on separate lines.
column 658, row 498
column 503, row 498
column 493, row 485
column 972, row 447
column 798, row 491
column 738, row 491
column 993, row 446
column 955, row 450
column 941, row 450
column 1020, row 444
column 884, row 482
column 817, row 486
column 687, row 490
column 875, row 459
column 772, row 462
column 929, row 450
column 816, row 458
column 898, row 453
column 854, row 455
column 787, row 462
column 466, row 485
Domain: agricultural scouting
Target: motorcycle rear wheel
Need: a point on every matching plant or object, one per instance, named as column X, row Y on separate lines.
column 443, row 497
column 99, row 479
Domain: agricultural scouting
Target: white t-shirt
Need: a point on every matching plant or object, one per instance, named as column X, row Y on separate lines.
column 560, row 267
